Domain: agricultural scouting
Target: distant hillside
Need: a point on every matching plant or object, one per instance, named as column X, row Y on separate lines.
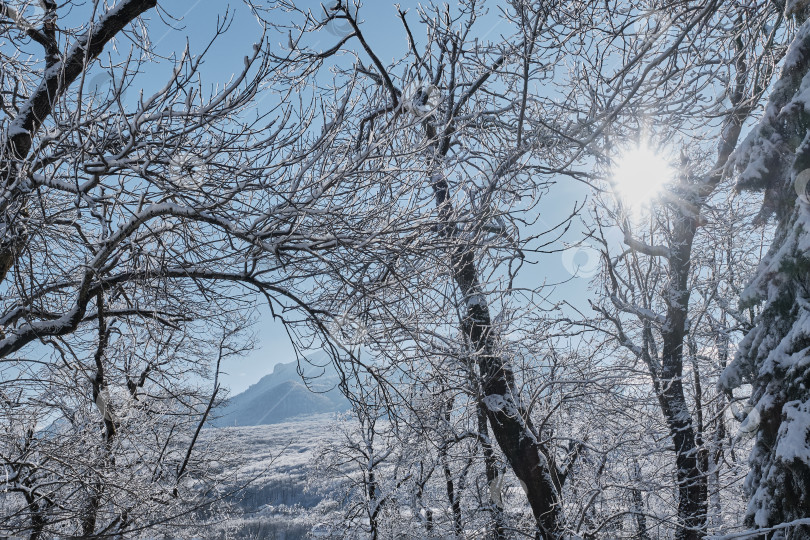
column 282, row 395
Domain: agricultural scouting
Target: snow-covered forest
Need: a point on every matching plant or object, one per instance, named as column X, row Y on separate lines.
column 544, row 265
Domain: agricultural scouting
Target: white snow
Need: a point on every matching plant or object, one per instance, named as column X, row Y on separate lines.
column 793, row 441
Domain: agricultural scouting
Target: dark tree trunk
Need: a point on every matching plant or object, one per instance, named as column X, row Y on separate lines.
column 452, row 496
column 510, row 423
column 38, row 521
column 496, row 511
column 99, row 382
column 371, row 491
column 638, row 507
column 420, row 489
column 691, row 480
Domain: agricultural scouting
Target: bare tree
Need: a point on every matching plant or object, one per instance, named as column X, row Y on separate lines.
column 135, row 224
column 650, row 279
column 462, row 120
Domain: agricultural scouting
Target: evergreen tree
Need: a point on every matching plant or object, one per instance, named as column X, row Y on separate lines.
column 774, row 357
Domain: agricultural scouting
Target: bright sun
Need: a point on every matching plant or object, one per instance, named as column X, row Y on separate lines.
column 639, row 175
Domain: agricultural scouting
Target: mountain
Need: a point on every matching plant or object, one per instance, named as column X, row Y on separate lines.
column 282, row 395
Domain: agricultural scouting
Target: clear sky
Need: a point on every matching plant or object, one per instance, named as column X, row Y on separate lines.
column 384, row 33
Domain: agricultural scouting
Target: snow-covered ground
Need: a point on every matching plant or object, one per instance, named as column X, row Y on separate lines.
column 273, row 462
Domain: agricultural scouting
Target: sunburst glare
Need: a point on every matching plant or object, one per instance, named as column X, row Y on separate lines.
column 640, row 174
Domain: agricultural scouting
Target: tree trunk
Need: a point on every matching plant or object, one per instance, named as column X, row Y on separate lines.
column 420, row 489
column 374, row 505
column 691, row 480
column 496, row 511
column 452, row 495
column 513, row 430
column 638, row 506
column 38, row 521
